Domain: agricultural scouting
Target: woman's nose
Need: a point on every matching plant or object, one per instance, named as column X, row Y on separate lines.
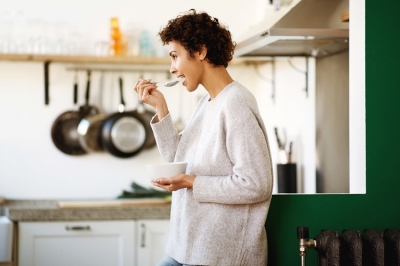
column 172, row 69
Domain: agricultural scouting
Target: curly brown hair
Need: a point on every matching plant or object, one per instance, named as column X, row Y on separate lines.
column 193, row 30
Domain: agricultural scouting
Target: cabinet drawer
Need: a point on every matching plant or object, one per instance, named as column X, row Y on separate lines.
column 152, row 237
column 76, row 243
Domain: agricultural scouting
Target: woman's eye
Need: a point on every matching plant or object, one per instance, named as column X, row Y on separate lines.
column 174, row 57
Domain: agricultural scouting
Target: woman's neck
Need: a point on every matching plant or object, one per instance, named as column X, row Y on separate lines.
column 216, row 79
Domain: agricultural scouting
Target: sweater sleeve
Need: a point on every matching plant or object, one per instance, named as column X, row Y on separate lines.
column 167, row 137
column 248, row 149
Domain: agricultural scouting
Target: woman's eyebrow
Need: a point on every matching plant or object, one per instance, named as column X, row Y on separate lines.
column 171, row 52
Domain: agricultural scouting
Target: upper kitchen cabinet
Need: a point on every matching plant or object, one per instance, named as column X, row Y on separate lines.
column 303, row 28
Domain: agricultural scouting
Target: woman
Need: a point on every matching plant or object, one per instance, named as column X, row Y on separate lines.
column 220, row 205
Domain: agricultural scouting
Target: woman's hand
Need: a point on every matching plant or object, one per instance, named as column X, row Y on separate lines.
column 149, row 94
column 175, row 182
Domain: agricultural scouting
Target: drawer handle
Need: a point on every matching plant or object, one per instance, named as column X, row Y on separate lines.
column 143, row 244
column 77, row 228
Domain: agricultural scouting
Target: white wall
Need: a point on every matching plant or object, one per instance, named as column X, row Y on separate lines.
column 31, row 166
column 292, row 112
column 88, row 21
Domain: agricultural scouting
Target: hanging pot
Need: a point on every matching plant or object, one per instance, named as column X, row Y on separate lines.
column 147, row 115
column 90, row 126
column 64, row 129
column 123, row 133
column 180, row 125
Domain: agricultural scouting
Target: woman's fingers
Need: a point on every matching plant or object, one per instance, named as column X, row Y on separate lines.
column 140, row 87
column 164, row 183
column 140, row 83
column 149, row 94
column 136, row 88
column 146, row 92
column 175, row 182
column 144, row 88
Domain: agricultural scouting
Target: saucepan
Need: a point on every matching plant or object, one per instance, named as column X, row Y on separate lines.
column 124, row 132
column 90, row 126
column 147, row 115
column 64, row 129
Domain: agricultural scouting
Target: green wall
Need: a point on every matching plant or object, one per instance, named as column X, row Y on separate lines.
column 379, row 208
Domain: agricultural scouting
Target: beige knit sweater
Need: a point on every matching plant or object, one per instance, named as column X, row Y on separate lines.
column 221, row 220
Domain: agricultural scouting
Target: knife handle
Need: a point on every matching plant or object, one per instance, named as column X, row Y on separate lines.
column 277, row 139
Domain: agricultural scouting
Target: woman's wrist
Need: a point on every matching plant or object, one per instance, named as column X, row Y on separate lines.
column 161, row 111
column 190, row 179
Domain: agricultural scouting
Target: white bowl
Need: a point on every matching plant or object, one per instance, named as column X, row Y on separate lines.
column 166, row 169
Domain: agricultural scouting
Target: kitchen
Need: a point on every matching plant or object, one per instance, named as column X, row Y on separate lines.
column 49, row 174
column 51, row 161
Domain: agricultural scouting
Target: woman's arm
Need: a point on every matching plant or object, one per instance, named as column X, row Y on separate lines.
column 166, row 136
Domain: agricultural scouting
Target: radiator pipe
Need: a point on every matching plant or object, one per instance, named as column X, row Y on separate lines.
column 305, row 243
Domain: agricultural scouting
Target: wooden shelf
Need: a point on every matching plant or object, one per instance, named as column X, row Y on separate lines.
column 83, row 59
column 80, row 59
column 113, row 60
column 344, row 17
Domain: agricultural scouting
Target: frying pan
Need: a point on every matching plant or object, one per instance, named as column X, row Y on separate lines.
column 64, row 129
column 147, row 115
column 123, row 133
column 89, row 128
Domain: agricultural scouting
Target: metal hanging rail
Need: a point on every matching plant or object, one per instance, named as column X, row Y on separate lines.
column 272, row 79
column 134, row 64
column 303, row 72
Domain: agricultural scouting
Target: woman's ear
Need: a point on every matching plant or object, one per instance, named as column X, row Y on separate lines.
column 203, row 52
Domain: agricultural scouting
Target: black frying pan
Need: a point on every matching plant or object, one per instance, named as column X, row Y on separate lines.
column 90, row 126
column 64, row 129
column 147, row 115
column 124, row 133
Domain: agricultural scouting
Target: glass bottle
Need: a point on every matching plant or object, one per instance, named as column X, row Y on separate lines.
column 116, row 41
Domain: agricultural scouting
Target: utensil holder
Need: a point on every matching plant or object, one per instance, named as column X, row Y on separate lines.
column 287, row 178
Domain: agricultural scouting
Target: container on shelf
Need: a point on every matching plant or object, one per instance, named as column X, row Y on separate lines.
column 116, row 39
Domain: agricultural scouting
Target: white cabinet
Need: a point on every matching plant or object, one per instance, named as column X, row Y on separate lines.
column 83, row 243
column 152, row 236
column 97, row 243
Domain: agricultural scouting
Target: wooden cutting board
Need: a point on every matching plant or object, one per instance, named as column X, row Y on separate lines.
column 112, row 203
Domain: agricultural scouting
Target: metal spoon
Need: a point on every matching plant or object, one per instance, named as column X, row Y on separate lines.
column 166, row 84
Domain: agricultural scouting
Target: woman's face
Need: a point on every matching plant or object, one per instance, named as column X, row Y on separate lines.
column 182, row 65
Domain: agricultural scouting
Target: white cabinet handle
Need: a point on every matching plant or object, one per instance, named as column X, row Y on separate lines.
column 143, row 240
column 77, row 228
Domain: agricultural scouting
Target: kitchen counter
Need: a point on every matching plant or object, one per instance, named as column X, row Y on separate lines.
column 48, row 210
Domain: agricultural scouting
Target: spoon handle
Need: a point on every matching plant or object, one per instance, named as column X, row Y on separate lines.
column 166, row 84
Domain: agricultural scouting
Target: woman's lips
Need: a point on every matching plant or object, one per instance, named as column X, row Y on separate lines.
column 182, row 79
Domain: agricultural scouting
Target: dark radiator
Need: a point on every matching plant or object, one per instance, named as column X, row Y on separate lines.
column 352, row 248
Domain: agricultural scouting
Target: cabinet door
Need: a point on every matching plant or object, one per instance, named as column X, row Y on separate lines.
column 80, row 243
column 152, row 238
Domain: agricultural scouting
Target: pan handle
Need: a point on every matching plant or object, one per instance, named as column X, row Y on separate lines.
column 75, row 91
column 121, row 107
column 88, row 87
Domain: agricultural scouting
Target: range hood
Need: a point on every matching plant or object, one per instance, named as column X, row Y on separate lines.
column 303, row 28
